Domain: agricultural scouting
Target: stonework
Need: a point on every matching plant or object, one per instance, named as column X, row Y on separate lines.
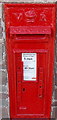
column 38, row 1
column 4, row 92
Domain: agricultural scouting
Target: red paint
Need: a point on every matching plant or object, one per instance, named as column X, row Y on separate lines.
column 30, row 28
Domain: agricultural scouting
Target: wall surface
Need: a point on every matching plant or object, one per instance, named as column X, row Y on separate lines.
column 4, row 96
column 38, row 1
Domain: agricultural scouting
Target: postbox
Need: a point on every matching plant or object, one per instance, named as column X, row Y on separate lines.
column 30, row 38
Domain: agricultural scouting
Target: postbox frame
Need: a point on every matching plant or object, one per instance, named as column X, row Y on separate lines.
column 12, row 67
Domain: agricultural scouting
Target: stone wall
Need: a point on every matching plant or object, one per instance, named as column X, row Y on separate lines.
column 4, row 96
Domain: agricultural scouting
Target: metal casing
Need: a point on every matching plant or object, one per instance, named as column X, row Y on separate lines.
column 30, row 28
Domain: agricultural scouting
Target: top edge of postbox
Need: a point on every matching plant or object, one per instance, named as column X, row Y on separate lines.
column 30, row 4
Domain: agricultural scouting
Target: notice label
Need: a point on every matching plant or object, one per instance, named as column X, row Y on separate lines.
column 29, row 66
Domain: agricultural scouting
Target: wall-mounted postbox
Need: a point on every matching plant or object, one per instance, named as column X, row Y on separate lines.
column 30, row 37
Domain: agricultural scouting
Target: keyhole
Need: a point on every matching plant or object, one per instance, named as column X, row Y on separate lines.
column 40, row 86
column 23, row 89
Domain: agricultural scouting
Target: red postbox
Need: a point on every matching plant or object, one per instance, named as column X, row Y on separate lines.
column 30, row 38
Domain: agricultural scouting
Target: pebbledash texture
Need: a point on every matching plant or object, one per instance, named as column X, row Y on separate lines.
column 4, row 92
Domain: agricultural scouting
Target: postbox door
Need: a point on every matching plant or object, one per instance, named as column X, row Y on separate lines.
column 31, row 78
